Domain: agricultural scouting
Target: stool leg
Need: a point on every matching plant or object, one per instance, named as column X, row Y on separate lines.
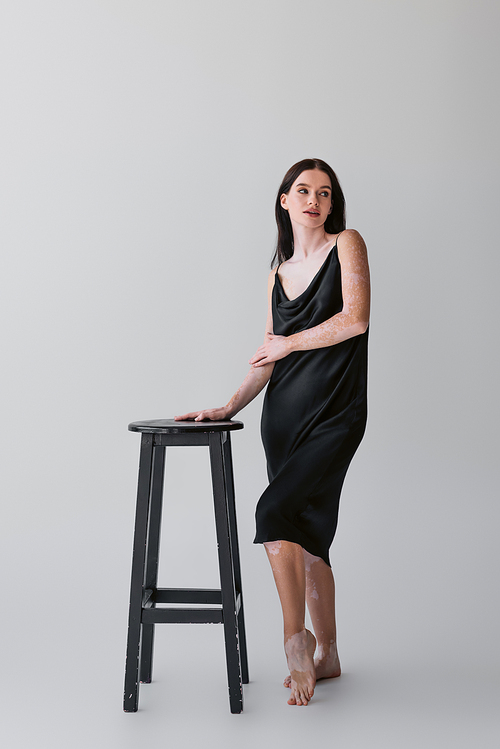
column 131, row 696
column 152, row 555
column 226, row 568
column 233, row 528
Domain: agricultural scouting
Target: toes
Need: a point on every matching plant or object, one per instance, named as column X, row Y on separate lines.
column 299, row 697
column 301, row 693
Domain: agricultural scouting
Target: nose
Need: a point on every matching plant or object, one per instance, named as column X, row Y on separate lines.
column 313, row 200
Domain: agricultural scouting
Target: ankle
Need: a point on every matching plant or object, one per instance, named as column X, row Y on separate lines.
column 295, row 635
column 326, row 649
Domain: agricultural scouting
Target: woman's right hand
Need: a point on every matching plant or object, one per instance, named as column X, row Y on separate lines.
column 213, row 414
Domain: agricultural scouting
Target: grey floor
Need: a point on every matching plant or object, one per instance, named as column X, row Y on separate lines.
column 74, row 699
column 417, row 671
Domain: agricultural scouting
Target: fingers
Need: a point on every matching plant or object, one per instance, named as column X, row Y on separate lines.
column 258, row 355
column 255, row 360
column 211, row 414
column 196, row 416
column 271, row 351
column 203, row 415
column 261, row 353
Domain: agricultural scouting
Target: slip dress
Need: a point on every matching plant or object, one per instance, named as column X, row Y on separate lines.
column 313, row 418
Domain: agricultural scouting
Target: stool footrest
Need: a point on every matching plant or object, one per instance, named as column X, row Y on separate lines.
column 152, row 615
column 182, row 616
column 187, row 595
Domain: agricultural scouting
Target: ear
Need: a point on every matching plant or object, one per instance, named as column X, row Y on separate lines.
column 283, row 201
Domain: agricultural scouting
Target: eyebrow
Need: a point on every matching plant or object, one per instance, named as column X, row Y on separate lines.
column 304, row 184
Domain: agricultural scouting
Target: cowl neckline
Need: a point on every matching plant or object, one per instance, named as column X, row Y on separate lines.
column 296, row 300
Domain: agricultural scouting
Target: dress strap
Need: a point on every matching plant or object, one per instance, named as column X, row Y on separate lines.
column 338, row 235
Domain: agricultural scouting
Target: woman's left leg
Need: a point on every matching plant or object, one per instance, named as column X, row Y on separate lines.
column 287, row 562
column 320, row 596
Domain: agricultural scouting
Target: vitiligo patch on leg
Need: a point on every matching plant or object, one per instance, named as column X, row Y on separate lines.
column 273, row 547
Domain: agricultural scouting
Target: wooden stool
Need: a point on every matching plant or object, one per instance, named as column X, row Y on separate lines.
column 144, row 593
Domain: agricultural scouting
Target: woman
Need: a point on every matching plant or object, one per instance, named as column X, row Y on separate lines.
column 314, row 358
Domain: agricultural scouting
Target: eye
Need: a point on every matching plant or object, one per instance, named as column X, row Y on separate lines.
column 325, row 194
column 303, row 189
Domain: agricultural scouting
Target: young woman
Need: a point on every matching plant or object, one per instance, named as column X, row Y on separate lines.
column 314, row 358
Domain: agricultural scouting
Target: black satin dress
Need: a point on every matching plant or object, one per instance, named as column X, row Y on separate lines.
column 313, row 419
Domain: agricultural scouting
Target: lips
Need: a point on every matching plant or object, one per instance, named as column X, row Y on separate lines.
column 312, row 213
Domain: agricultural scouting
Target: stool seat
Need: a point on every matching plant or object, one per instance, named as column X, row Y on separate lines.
column 171, row 426
column 147, row 600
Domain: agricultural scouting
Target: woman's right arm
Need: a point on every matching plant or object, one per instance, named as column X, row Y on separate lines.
column 254, row 382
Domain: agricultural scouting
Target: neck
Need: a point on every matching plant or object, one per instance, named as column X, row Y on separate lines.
column 307, row 241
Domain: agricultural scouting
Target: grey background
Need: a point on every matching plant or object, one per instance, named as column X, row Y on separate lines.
column 142, row 146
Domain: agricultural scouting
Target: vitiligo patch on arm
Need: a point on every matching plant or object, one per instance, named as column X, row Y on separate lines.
column 355, row 314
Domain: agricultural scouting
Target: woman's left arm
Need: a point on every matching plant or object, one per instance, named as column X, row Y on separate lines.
column 351, row 321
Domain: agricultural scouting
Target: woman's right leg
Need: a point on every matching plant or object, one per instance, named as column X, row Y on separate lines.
column 288, row 565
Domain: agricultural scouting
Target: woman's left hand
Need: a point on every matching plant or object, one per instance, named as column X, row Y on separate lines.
column 275, row 347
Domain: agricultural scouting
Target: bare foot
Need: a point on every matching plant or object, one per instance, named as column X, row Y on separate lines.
column 299, row 650
column 326, row 663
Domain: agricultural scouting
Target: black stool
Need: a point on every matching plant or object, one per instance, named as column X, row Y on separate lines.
column 144, row 593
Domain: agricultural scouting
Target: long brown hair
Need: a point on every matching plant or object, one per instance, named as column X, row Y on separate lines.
column 335, row 221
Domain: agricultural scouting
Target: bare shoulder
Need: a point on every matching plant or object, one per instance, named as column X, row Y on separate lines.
column 350, row 237
column 270, row 282
column 271, row 277
column 351, row 244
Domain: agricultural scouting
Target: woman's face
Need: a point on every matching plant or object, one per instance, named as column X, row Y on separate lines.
column 310, row 198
